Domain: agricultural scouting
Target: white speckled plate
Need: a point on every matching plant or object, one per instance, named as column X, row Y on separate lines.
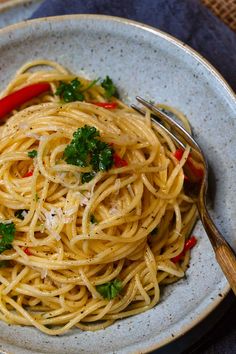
column 143, row 61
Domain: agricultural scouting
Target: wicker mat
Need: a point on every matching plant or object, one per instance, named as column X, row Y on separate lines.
column 224, row 9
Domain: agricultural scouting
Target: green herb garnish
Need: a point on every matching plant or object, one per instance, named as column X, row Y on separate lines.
column 73, row 91
column 36, row 197
column 93, row 220
column 111, row 289
column 32, row 153
column 7, row 231
column 70, row 92
column 19, row 213
column 86, row 150
column 87, row 176
column 109, row 87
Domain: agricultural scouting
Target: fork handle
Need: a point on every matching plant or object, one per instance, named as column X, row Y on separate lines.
column 226, row 259
column 225, row 256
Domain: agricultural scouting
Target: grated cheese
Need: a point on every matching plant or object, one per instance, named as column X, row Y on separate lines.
column 44, row 273
column 24, row 213
column 70, row 211
column 23, row 125
column 33, row 135
column 113, row 211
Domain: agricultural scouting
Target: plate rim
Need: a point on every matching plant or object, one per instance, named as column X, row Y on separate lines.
column 197, row 56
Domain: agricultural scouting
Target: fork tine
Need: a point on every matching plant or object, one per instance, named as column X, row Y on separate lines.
column 166, row 119
column 139, row 110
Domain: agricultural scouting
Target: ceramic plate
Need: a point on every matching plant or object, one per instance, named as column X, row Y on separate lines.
column 142, row 61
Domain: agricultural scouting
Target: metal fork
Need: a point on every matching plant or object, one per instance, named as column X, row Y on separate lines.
column 225, row 256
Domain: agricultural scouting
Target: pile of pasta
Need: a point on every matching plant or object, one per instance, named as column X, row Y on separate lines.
column 86, row 254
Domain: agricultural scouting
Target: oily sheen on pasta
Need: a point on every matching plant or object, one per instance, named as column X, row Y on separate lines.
column 86, row 252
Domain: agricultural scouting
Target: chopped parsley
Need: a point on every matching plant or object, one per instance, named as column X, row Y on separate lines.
column 32, row 153
column 85, row 149
column 36, row 197
column 93, row 220
column 87, row 176
column 20, row 213
column 109, row 87
column 7, row 231
column 70, row 92
column 73, row 91
column 111, row 289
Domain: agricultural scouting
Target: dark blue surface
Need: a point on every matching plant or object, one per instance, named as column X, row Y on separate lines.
column 192, row 23
column 187, row 20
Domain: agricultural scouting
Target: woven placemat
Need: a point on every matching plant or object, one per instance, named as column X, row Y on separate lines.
column 224, row 9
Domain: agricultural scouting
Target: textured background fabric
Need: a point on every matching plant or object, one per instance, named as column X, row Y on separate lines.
column 187, row 20
column 192, row 23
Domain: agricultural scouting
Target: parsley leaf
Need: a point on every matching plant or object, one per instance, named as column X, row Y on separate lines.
column 102, row 157
column 109, row 87
column 111, row 289
column 19, row 213
column 32, row 153
column 77, row 152
column 73, row 91
column 87, row 176
column 7, row 231
column 70, row 92
column 86, row 150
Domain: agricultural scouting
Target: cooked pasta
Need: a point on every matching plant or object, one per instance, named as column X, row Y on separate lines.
column 86, row 243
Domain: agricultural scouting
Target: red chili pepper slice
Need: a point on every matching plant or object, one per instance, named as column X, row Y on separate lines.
column 118, row 161
column 179, row 154
column 197, row 172
column 107, row 105
column 17, row 98
column 29, row 174
column 190, row 243
column 27, row 251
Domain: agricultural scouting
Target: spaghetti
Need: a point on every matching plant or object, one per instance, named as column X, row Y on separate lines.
column 87, row 254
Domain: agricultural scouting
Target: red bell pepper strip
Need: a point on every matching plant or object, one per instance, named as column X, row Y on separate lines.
column 118, row 161
column 27, row 251
column 29, row 174
column 107, row 105
column 190, row 243
column 17, row 98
